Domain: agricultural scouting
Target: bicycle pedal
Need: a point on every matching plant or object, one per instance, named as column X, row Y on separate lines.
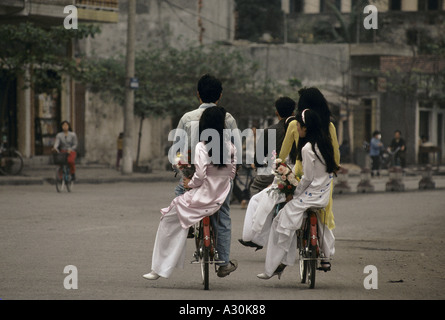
column 323, row 269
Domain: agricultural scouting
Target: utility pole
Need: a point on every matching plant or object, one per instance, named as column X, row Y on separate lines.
column 127, row 158
column 200, row 24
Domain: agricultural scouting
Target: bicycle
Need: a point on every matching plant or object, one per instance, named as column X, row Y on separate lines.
column 63, row 176
column 11, row 161
column 205, row 254
column 308, row 244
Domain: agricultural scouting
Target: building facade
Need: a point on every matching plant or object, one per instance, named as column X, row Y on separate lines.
column 408, row 30
column 31, row 116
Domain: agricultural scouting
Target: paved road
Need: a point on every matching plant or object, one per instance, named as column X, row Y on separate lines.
column 107, row 232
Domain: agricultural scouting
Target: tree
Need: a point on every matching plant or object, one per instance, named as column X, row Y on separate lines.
column 168, row 76
column 256, row 17
column 29, row 49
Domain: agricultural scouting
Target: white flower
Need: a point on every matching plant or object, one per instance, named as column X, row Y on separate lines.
column 293, row 180
column 280, row 170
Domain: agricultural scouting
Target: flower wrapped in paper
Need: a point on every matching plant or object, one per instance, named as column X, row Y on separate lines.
column 183, row 165
column 285, row 180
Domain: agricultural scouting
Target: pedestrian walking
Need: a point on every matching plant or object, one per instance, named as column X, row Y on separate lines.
column 120, row 141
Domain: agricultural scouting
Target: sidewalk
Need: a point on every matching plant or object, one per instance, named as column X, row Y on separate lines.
column 97, row 174
column 90, row 174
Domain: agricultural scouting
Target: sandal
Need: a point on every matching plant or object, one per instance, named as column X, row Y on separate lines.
column 250, row 244
column 325, row 266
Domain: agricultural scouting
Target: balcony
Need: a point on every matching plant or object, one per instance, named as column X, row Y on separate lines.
column 51, row 11
column 98, row 10
column 112, row 5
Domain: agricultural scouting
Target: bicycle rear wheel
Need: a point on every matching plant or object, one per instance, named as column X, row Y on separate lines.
column 11, row 162
column 312, row 241
column 312, row 267
column 302, row 256
column 206, row 243
column 205, row 267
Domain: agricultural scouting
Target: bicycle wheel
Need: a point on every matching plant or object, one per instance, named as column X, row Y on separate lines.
column 59, row 179
column 302, row 256
column 313, row 246
column 206, row 243
column 205, row 267
column 68, row 180
column 11, row 162
column 312, row 267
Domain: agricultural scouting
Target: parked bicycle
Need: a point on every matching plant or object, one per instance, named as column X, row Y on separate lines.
column 63, row 176
column 205, row 254
column 11, row 161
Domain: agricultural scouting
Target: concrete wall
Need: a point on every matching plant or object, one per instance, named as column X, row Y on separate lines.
column 313, row 64
column 159, row 22
column 104, row 122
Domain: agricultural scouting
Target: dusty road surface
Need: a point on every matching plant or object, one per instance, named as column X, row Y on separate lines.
column 107, row 232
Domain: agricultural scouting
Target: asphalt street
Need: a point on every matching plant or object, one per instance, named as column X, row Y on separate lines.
column 107, row 232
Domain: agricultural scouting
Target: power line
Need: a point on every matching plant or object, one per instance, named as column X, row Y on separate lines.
column 172, row 7
column 197, row 15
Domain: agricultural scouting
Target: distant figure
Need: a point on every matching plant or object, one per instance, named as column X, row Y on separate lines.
column 375, row 149
column 120, row 140
column 66, row 142
column 398, row 148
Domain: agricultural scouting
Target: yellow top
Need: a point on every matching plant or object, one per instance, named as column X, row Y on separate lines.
column 291, row 136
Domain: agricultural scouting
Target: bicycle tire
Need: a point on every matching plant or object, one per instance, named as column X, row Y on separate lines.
column 312, row 267
column 302, row 256
column 206, row 243
column 205, row 267
column 313, row 246
column 68, row 180
column 303, row 269
column 11, row 163
column 59, row 179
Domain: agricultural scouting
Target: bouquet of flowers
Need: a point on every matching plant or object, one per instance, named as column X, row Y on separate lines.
column 183, row 164
column 285, row 180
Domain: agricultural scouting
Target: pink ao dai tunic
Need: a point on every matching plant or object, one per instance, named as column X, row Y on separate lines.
column 210, row 188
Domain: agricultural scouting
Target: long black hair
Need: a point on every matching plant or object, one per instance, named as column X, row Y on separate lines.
column 317, row 137
column 313, row 99
column 214, row 118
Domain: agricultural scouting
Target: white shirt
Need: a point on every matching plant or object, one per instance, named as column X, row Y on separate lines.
column 188, row 131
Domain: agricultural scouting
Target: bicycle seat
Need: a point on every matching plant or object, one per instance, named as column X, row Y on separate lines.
column 314, row 209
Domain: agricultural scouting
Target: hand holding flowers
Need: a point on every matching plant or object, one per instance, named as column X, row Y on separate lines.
column 286, row 182
column 183, row 164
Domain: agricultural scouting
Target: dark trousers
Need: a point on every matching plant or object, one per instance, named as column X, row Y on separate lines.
column 375, row 165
